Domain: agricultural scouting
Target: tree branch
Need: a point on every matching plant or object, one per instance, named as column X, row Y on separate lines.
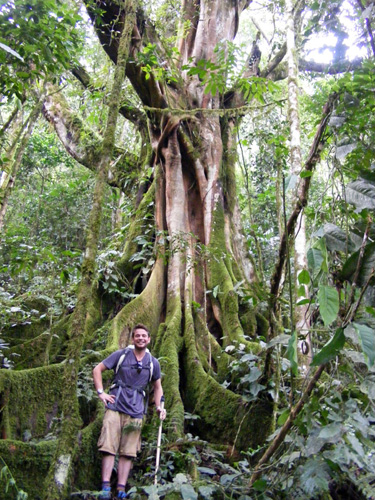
column 272, row 65
column 279, row 439
column 330, row 69
column 277, row 71
column 128, row 111
column 111, row 20
column 302, row 196
column 368, row 26
column 81, row 142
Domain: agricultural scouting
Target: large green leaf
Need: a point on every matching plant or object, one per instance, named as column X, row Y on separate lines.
column 328, row 300
column 367, row 336
column 292, row 354
column 315, row 259
column 188, row 493
column 330, row 350
column 336, row 239
column 304, row 277
column 367, row 265
column 361, row 194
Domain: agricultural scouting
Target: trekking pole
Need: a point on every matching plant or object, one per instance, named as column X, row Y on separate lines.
column 159, row 443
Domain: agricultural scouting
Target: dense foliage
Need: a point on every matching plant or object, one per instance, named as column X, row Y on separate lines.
column 327, row 450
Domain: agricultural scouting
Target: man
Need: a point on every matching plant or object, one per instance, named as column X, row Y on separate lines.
column 125, row 406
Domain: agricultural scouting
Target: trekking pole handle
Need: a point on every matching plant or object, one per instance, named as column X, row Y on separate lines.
column 161, row 406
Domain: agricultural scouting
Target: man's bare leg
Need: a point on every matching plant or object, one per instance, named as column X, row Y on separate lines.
column 123, row 469
column 108, row 462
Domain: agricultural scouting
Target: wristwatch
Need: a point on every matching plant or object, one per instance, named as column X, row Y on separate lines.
column 99, row 391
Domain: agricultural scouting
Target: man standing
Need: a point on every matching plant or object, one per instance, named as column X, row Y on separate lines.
column 126, row 404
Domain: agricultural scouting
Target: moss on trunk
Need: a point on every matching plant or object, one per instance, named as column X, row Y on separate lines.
column 224, row 416
column 35, row 459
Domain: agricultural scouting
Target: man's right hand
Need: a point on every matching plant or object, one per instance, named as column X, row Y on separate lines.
column 107, row 398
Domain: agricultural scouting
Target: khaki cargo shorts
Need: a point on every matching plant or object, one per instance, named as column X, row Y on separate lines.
column 120, row 434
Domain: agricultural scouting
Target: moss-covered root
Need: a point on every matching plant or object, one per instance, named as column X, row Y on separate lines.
column 28, row 463
column 87, row 469
column 137, row 228
column 146, row 309
column 220, row 277
column 224, row 415
column 214, row 360
column 170, row 347
column 30, row 402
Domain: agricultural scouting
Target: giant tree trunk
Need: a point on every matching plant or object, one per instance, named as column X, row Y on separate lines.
column 194, row 153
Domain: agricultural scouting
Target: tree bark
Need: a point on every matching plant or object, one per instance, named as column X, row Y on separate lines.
column 196, row 159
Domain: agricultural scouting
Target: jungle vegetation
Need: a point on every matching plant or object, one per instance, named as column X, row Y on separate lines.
column 207, row 168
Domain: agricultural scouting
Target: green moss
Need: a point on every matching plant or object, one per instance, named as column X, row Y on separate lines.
column 42, row 349
column 93, row 314
column 32, row 398
column 87, row 469
column 228, row 166
column 21, row 333
column 262, row 324
column 137, row 228
column 158, row 339
column 146, row 308
column 224, row 415
column 169, row 359
column 28, row 463
column 220, row 277
column 207, row 343
column 249, row 323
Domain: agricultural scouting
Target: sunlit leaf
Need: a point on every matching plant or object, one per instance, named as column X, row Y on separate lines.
column 11, row 51
column 306, row 173
column 304, row 277
column 283, row 417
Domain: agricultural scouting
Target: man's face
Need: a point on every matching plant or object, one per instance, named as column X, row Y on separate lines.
column 141, row 338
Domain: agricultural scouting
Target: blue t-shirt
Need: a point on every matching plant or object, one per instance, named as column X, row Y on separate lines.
column 133, row 374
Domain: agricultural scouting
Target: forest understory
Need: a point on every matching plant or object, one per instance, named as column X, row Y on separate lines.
column 177, row 167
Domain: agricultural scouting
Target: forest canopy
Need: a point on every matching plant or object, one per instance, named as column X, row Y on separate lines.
column 205, row 168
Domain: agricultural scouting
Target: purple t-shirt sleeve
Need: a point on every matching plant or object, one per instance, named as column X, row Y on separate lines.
column 111, row 362
column 157, row 372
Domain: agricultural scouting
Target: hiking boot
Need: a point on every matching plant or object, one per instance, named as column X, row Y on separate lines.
column 121, row 494
column 105, row 494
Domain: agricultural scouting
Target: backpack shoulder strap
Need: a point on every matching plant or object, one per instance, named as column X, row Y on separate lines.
column 126, row 352
column 151, row 367
column 122, row 358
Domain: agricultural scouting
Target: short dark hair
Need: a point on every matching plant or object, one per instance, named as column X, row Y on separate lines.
column 140, row 326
